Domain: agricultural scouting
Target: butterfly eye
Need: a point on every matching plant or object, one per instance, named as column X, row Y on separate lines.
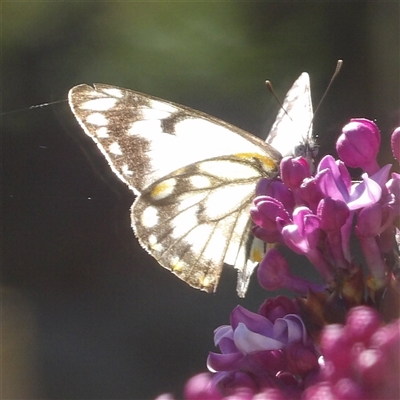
column 314, row 151
column 300, row 150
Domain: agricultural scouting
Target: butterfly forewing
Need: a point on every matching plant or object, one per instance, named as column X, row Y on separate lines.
column 292, row 128
column 195, row 176
column 145, row 138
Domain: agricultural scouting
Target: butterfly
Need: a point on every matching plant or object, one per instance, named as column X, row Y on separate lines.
column 194, row 175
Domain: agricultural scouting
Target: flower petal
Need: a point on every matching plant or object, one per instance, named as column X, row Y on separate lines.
column 290, row 329
column 333, row 178
column 222, row 331
column 363, row 194
column 248, row 341
column 255, row 322
column 223, row 362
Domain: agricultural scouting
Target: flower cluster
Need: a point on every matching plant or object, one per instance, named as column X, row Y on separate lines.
column 340, row 338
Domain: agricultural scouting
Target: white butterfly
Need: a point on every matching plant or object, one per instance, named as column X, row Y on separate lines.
column 195, row 175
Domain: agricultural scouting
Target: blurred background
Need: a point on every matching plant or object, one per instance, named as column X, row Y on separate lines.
column 86, row 313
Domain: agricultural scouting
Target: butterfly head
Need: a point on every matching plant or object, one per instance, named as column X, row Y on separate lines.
column 307, row 149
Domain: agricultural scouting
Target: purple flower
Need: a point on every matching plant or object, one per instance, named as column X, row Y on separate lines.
column 201, row 387
column 334, row 181
column 359, row 144
column 266, row 212
column 165, row 396
column 250, row 333
column 333, row 215
column 361, row 358
column 294, row 171
column 368, row 227
column 302, row 236
column 325, row 344
column 395, row 143
column 310, row 193
column 278, row 307
column 393, row 188
column 255, row 345
column 274, row 273
column 276, row 189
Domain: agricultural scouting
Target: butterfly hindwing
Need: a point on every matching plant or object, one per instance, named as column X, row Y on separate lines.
column 198, row 217
column 195, row 176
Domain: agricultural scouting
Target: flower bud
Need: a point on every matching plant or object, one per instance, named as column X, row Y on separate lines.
column 200, row 387
column 265, row 212
column 361, row 323
column 358, row 144
column 310, row 193
column 273, row 271
column 336, row 350
column 302, row 359
column 368, row 226
column 303, row 234
column 369, row 221
column 278, row 307
column 277, row 190
column 395, row 143
column 294, row 171
column 393, row 187
column 333, row 214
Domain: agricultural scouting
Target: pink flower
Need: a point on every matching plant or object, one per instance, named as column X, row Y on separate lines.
column 261, row 349
column 276, row 189
column 361, row 358
column 201, row 387
column 294, row 171
column 395, row 143
column 325, row 344
column 274, row 273
column 359, row 144
column 334, row 215
column 302, row 235
column 278, row 307
column 334, row 181
column 266, row 213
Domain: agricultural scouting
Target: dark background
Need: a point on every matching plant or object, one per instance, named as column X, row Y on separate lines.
column 87, row 314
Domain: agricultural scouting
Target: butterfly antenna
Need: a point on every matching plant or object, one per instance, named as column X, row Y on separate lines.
column 33, row 107
column 335, row 74
column 271, row 89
